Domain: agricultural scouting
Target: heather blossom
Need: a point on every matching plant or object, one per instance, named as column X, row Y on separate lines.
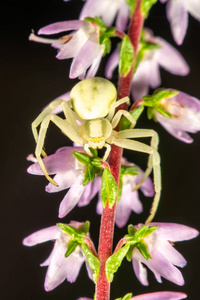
column 82, row 44
column 108, row 10
column 69, row 174
column 177, row 14
column 185, row 116
column 59, row 267
column 147, row 74
column 154, row 296
column 164, row 257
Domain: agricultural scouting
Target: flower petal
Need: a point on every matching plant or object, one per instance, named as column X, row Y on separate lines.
column 178, row 18
column 41, row 236
column 161, row 296
column 60, row 161
column 171, row 59
column 112, row 63
column 72, row 197
column 193, row 6
column 175, row 232
column 61, row 26
column 89, row 51
column 140, row 271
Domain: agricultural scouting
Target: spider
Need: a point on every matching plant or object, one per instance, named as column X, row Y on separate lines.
column 90, row 122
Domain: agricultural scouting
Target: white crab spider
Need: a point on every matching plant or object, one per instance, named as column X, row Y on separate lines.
column 91, row 123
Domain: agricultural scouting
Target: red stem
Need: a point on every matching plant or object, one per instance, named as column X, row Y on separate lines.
column 108, row 215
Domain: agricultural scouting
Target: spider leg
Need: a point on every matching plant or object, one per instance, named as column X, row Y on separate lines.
column 66, row 128
column 118, row 116
column 153, row 162
column 116, row 104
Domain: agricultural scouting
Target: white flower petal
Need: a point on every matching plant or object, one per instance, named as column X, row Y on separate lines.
column 61, row 26
column 193, row 6
column 72, row 197
column 178, row 17
column 41, row 236
column 171, row 59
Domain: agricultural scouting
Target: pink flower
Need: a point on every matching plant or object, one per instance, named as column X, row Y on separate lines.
column 129, row 200
column 147, row 74
column 108, row 10
column 69, row 174
column 82, row 44
column 59, row 267
column 177, row 14
column 185, row 112
column 164, row 257
column 155, row 296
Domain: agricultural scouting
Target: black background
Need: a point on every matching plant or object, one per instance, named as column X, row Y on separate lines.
column 31, row 77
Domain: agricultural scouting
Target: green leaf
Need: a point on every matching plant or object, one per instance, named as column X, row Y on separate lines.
column 96, row 162
column 135, row 113
column 108, row 188
column 146, row 6
column 114, row 262
column 93, row 151
column 126, row 56
column 93, row 261
column 71, row 246
column 130, row 253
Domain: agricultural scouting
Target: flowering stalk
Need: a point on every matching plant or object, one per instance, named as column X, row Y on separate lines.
column 108, row 215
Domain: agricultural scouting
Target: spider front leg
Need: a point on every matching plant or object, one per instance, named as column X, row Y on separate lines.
column 154, row 158
column 69, row 115
column 65, row 127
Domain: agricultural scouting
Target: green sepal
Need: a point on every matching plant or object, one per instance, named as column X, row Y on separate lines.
column 163, row 112
column 146, row 6
column 135, row 238
column 130, row 170
column 105, row 33
column 77, row 235
column 108, row 188
column 92, row 163
column 126, row 297
column 114, row 262
column 71, row 246
column 82, row 157
column 153, row 102
column 92, row 260
column 135, row 113
column 142, row 247
column 126, row 56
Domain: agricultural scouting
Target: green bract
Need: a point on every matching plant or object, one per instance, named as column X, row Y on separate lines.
column 105, row 33
column 153, row 102
column 108, row 188
column 93, row 261
column 146, row 6
column 93, row 164
column 126, row 56
column 114, row 262
column 135, row 238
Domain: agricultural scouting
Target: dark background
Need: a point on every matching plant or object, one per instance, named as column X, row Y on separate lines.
column 31, row 77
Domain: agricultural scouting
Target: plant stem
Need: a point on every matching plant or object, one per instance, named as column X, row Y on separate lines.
column 108, row 215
